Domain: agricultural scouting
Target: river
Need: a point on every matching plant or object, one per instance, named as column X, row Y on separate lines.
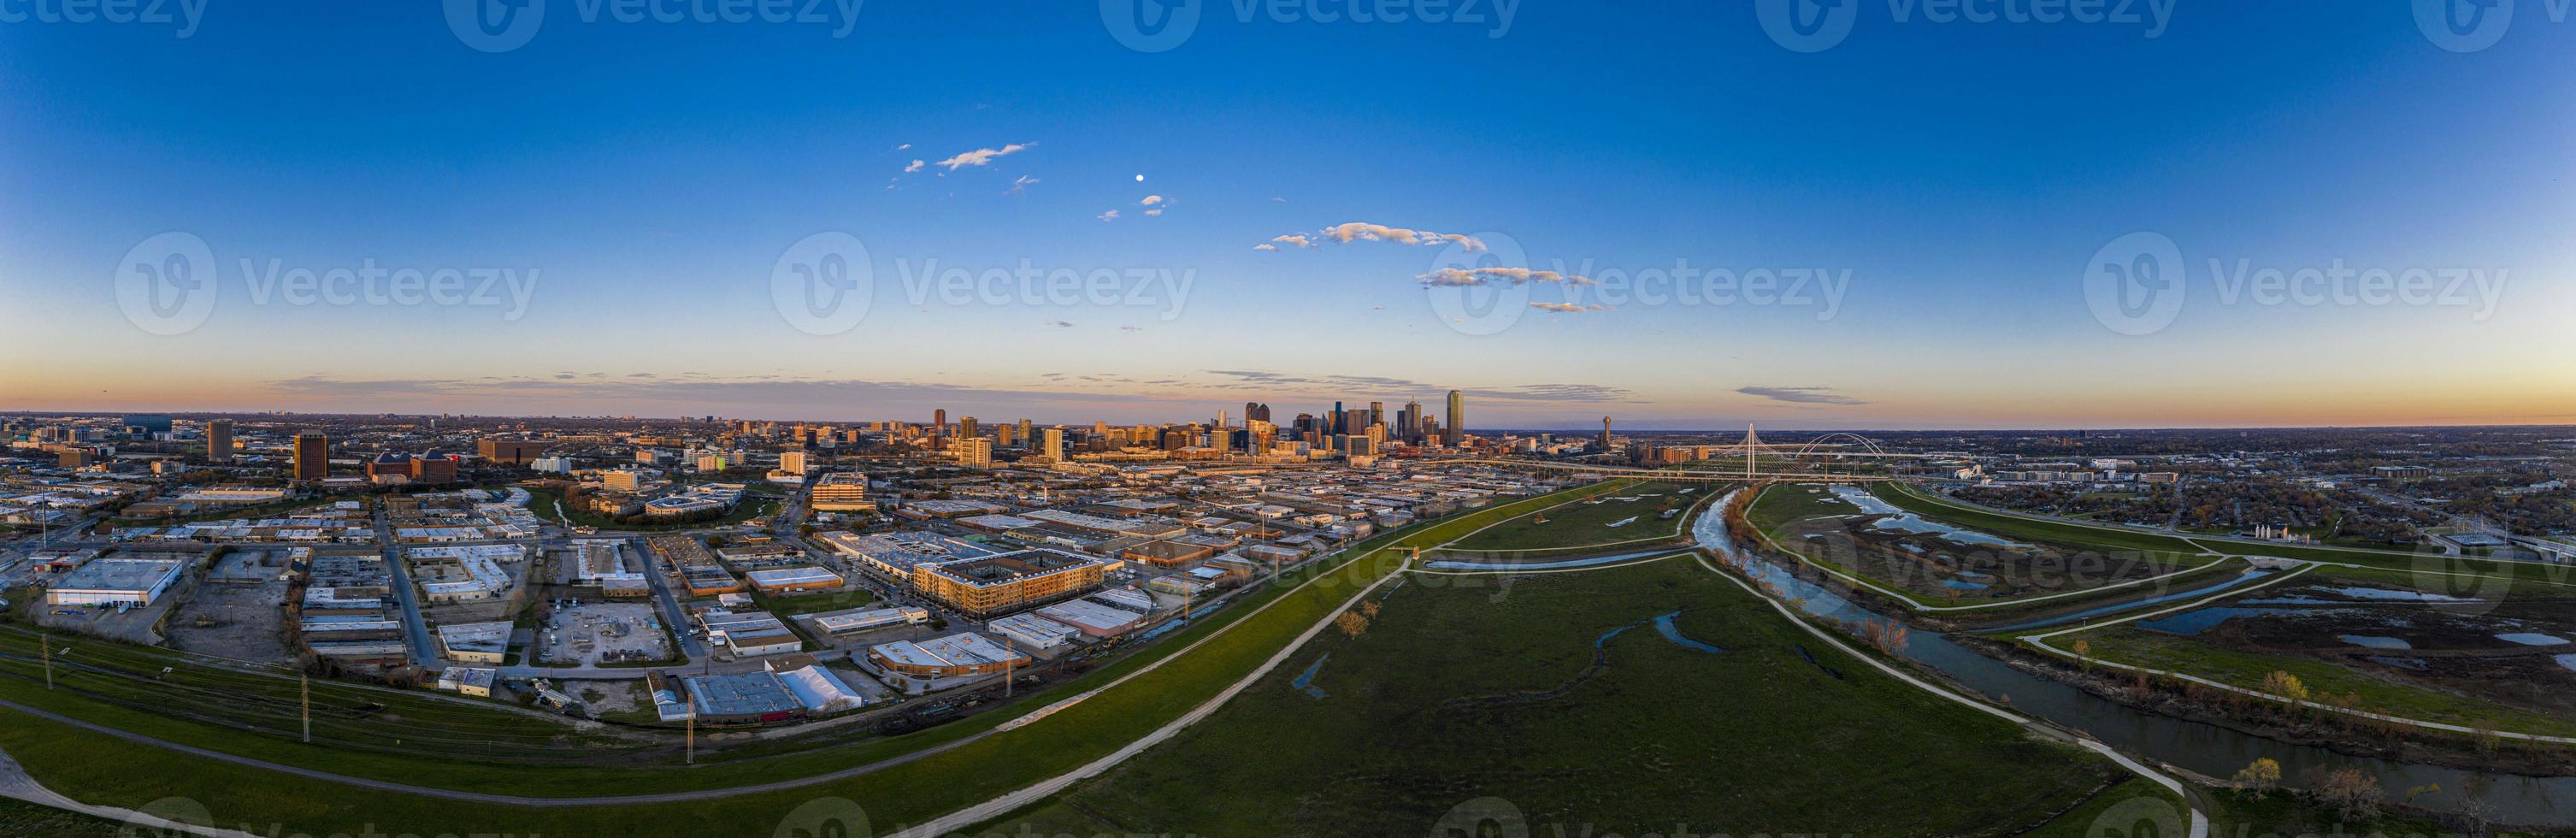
column 2204, row 748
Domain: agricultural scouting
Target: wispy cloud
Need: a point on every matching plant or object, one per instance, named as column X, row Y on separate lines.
column 1020, row 185
column 1487, row 276
column 983, row 156
column 1059, row 324
column 1111, row 215
column 1368, row 383
column 1801, row 395
column 1356, row 231
column 1565, row 308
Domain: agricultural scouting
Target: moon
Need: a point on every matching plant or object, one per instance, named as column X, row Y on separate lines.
column 1140, row 178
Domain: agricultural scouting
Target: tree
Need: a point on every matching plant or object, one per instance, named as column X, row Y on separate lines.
column 2347, row 791
column 2260, row 776
column 2287, row 686
column 1888, row 636
column 1351, row 623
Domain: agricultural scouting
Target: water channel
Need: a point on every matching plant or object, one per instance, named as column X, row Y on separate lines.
column 2204, row 748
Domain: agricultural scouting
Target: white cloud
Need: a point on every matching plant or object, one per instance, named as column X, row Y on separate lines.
column 1020, row 184
column 1111, row 215
column 1485, row 276
column 983, row 156
column 1151, row 200
column 904, row 147
column 914, row 167
column 1154, row 211
column 1564, row 308
column 1365, row 231
column 1270, row 247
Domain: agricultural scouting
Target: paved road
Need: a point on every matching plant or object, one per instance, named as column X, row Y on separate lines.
column 415, row 629
column 672, row 615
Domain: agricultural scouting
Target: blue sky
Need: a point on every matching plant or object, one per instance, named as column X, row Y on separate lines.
column 1959, row 178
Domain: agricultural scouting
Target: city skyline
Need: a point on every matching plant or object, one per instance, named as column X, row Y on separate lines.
column 1926, row 280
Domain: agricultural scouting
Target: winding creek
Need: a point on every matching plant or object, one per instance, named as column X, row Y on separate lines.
column 2199, row 747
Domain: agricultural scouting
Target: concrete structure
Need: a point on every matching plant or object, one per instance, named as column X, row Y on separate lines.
column 114, row 581
column 1010, row 581
column 954, row 656
column 791, row 580
column 475, row 642
column 841, row 492
column 219, row 441
column 510, row 451
column 312, row 455
column 870, row 620
column 1034, row 632
column 467, row 680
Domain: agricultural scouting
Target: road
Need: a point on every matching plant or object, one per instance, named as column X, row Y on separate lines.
column 415, row 629
column 660, row 582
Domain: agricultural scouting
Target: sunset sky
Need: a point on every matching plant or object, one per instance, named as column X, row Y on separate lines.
column 1287, row 194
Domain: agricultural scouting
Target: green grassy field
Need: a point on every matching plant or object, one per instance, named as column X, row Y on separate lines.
column 2205, row 655
column 2051, row 576
column 102, row 769
column 1579, row 525
column 1466, row 688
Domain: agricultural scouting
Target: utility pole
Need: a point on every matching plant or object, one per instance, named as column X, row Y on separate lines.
column 305, row 691
column 49, row 661
column 693, row 736
column 1013, row 648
